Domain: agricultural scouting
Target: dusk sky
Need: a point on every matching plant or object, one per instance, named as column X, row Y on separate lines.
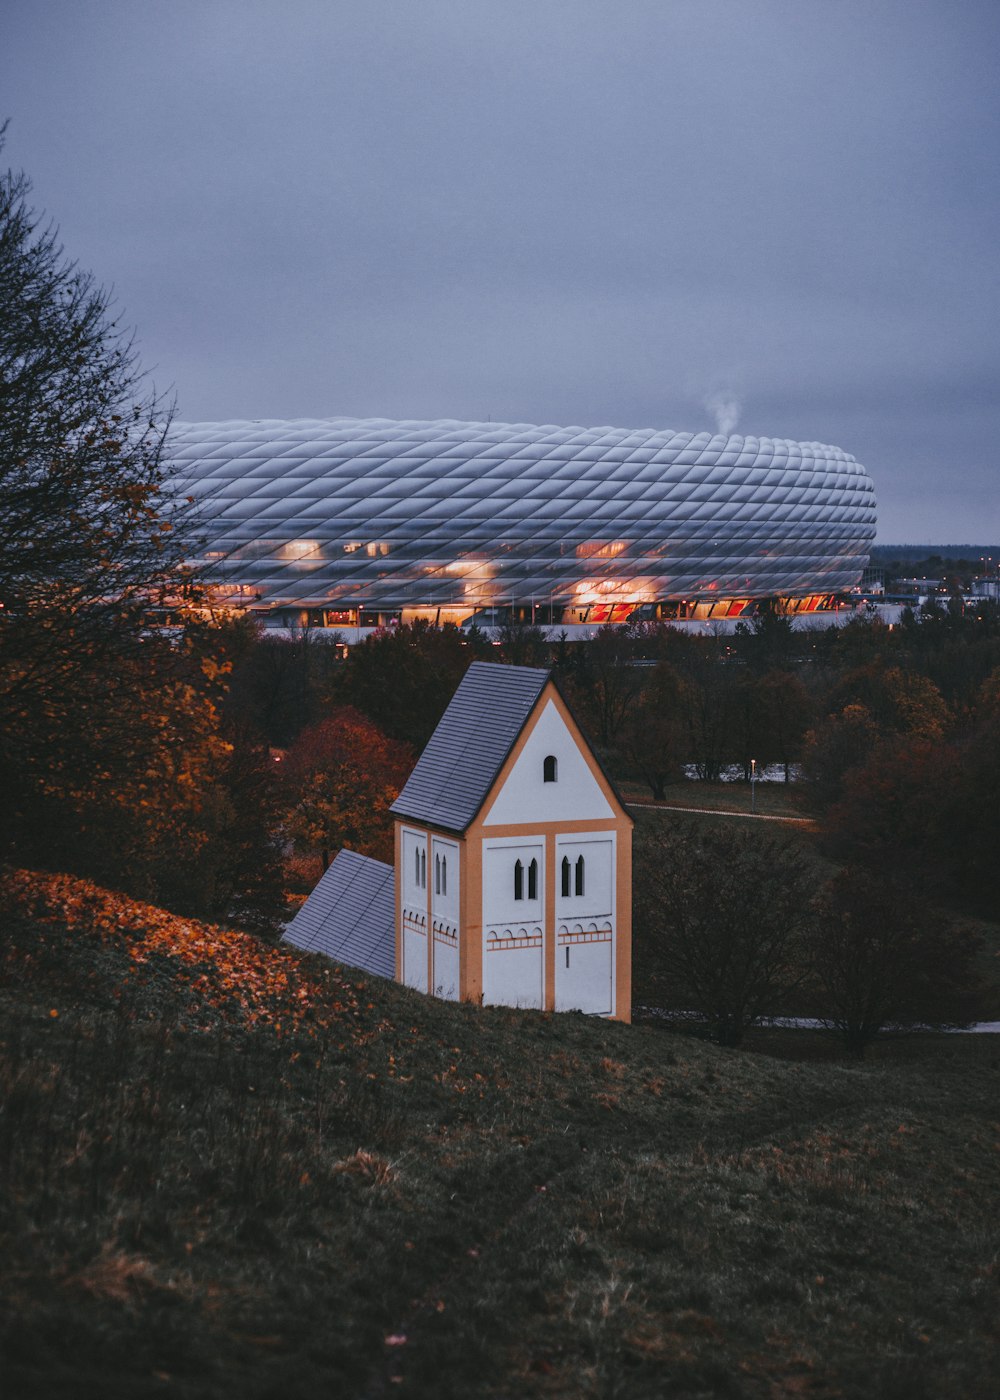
column 777, row 218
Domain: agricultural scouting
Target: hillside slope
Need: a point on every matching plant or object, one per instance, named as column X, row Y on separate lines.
column 232, row 1170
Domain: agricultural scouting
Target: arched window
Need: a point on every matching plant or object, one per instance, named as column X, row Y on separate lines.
column 444, row 874
column 437, row 874
column 565, row 877
column 579, row 876
column 549, row 769
column 518, row 880
column 416, row 866
column 533, row 880
column 423, row 870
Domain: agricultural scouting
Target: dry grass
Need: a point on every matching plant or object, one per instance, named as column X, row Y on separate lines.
column 380, row 1194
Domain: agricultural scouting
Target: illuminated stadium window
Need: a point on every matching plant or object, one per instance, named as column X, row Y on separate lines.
column 549, row 769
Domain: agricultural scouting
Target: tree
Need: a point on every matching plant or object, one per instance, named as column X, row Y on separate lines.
column 719, row 923
column 839, row 745
column 899, row 701
column 882, row 958
column 927, row 812
column 767, row 640
column 340, row 778
column 522, row 644
column 711, row 706
column 402, row 678
column 608, row 683
column 89, row 531
column 653, row 736
column 785, row 709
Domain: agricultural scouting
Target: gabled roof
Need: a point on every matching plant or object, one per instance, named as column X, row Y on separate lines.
column 477, row 731
column 351, row 915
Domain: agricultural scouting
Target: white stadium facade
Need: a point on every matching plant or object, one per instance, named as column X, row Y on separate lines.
column 345, row 522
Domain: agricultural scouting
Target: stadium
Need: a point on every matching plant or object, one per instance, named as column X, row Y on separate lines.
column 359, row 522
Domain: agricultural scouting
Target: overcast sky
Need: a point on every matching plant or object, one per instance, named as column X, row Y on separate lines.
column 778, row 217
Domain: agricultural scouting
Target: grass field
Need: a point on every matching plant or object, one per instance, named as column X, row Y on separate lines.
column 230, row 1170
column 769, row 799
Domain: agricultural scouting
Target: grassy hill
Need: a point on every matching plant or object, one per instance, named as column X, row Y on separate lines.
column 232, row 1170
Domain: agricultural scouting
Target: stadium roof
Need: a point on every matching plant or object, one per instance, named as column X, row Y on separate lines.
column 368, row 512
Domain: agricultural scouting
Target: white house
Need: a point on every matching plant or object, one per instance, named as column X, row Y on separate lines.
column 513, row 869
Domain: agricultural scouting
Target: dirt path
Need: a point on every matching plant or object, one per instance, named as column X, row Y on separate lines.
column 718, row 812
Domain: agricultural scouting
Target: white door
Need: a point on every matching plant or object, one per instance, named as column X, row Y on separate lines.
column 584, row 971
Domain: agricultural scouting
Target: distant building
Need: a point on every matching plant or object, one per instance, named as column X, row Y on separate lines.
column 348, row 522
column 513, row 871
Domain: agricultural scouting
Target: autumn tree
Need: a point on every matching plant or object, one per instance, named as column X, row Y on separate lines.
column 340, row 778
column 899, row 701
column 719, row 923
column 90, row 539
column 89, row 531
column 838, row 745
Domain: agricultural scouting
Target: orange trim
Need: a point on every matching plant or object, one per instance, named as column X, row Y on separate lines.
column 398, row 882
column 549, row 926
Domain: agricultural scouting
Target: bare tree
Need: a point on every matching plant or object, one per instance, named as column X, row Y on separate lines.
column 719, row 922
column 883, row 958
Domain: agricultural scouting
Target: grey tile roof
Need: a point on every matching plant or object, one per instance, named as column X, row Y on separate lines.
column 351, row 915
column 477, row 731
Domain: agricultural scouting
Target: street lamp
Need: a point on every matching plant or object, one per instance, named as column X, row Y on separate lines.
column 753, row 786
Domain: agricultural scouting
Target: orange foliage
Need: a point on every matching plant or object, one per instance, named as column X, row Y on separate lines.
column 240, row 978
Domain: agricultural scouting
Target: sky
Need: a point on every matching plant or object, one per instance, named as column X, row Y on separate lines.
column 773, row 217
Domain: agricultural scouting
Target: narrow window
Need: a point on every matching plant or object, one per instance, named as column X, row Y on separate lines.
column 518, row 880
column 549, row 769
column 444, row 874
column 565, row 877
column 423, row 870
column 533, row 880
column 437, row 874
column 416, row 866
column 579, row 876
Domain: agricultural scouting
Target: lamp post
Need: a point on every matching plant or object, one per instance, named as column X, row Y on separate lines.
column 753, row 786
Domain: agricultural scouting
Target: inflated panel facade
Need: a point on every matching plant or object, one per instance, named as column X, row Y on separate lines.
column 371, row 513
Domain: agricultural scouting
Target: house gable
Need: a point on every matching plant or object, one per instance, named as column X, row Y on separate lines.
column 574, row 792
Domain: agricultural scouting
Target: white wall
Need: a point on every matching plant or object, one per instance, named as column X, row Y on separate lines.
column 513, row 969
column 585, row 924
column 526, row 797
column 442, row 882
column 598, row 898
column 414, row 911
